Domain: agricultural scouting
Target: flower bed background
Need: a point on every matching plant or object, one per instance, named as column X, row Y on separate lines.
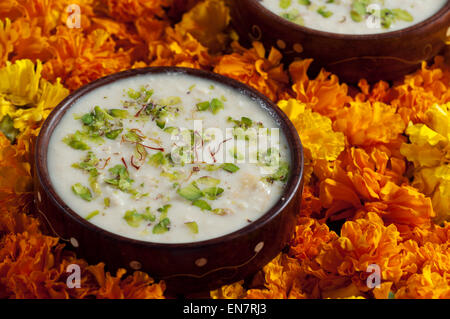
column 377, row 185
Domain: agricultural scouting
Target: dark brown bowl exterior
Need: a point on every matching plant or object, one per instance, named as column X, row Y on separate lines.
column 385, row 56
column 189, row 267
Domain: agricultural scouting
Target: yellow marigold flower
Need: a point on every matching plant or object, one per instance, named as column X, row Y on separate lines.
column 207, row 22
column 320, row 142
column 429, row 150
column 25, row 97
column 315, row 130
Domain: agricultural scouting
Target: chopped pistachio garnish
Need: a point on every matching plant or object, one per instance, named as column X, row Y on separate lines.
column 121, row 179
column 133, row 218
column 140, row 96
column 284, row 4
column 172, row 175
column 244, row 123
column 148, row 216
column 208, row 181
column 169, row 101
column 213, row 192
column 112, row 135
column 157, row 159
column 221, row 211
column 215, row 105
column 162, row 226
column 89, row 165
column 281, row 174
column 82, row 191
column 164, row 209
column 122, row 114
column 304, row 2
column 193, row 226
column 324, row 12
column 171, row 130
column 294, row 16
column 203, row 205
column 76, row 141
column 93, row 214
column 133, row 137
column 190, row 192
column 230, row 167
column 107, row 202
column 211, row 167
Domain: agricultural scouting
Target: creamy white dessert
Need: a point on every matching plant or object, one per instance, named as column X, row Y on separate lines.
column 168, row 158
column 355, row 16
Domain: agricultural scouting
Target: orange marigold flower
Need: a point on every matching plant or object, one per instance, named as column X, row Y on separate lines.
column 251, row 66
column 233, row 291
column 403, row 206
column 280, row 276
column 357, row 177
column 364, row 242
column 323, row 94
column 421, row 90
column 35, row 267
column 427, row 285
column 79, row 60
column 175, row 49
column 368, row 124
column 129, row 10
column 308, row 237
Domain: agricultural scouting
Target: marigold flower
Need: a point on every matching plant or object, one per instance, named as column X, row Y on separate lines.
column 318, row 138
column 175, row 49
column 368, row 124
column 364, row 242
column 207, row 22
column 233, row 291
column 79, row 60
column 308, row 237
column 427, row 285
column 25, row 97
column 251, row 66
column 280, row 276
column 323, row 94
column 429, row 150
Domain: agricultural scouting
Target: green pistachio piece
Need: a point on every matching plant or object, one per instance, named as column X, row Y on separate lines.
column 82, row 191
column 203, row 205
column 193, row 226
column 190, row 192
column 93, row 214
column 230, row 167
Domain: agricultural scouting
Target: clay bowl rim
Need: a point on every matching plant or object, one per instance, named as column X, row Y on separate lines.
column 292, row 137
column 344, row 36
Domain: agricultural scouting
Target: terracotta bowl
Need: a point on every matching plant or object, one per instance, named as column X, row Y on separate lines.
column 186, row 267
column 385, row 56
